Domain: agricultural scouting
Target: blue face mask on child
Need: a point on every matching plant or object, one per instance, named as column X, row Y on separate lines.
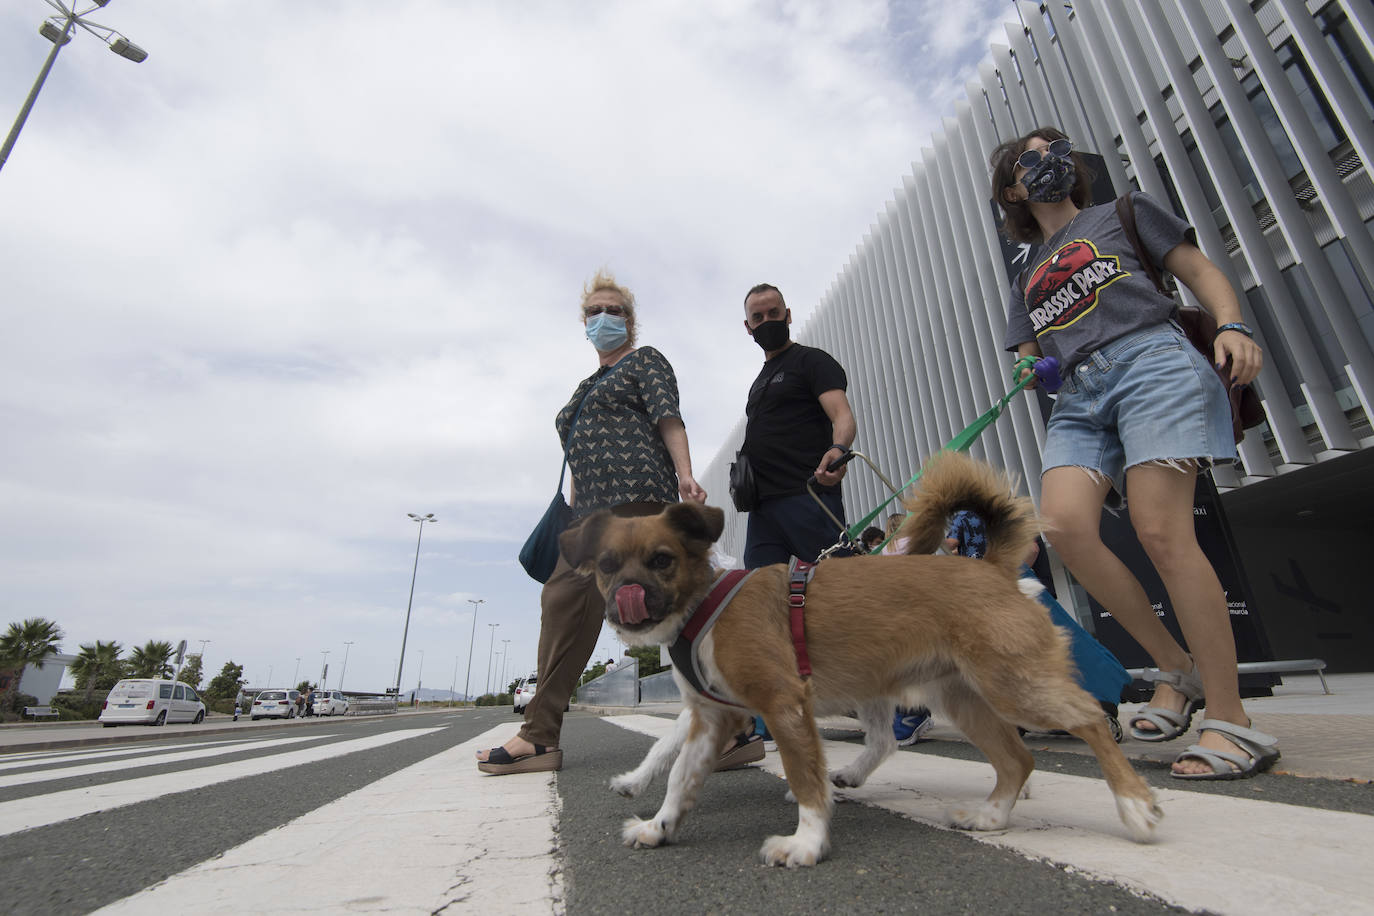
column 607, row 332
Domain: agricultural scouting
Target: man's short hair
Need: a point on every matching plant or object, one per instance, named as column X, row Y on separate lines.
column 763, row 288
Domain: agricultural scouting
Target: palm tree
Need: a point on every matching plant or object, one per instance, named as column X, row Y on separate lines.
column 152, row 659
column 29, row 643
column 97, row 663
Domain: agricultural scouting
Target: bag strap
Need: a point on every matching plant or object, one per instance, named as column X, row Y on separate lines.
column 578, row 413
column 1125, row 212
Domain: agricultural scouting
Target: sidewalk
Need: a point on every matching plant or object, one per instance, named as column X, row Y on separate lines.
column 1331, row 737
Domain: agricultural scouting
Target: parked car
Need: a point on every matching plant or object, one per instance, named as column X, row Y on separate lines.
column 151, row 701
column 279, row 703
column 524, row 692
column 330, row 703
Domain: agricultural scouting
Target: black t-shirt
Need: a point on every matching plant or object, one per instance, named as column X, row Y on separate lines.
column 788, row 430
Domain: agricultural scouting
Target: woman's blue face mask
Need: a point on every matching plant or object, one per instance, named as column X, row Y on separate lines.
column 606, row 331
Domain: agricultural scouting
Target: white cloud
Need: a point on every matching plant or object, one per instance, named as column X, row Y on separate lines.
column 296, row 275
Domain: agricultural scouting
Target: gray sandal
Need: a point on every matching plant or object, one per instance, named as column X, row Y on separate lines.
column 1261, row 751
column 1167, row 723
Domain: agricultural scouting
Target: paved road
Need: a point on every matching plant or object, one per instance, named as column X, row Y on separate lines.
column 389, row 813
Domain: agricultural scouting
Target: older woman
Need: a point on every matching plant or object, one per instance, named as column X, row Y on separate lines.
column 633, row 394
column 1139, row 413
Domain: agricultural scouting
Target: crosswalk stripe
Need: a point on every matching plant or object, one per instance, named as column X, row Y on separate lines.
column 53, row 808
column 489, row 842
column 105, row 766
column 1221, row 854
column 37, row 758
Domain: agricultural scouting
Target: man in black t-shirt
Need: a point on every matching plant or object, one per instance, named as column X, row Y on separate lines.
column 799, row 421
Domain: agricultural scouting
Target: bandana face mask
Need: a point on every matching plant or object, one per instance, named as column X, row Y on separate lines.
column 1052, row 180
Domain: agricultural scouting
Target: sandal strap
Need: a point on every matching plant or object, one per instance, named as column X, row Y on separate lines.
column 1159, row 717
column 1254, row 741
column 1187, row 683
column 1218, row 760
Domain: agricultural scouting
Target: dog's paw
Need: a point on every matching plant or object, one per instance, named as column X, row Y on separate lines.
column 990, row 815
column 1025, row 790
column 847, row 778
column 1140, row 815
column 791, row 851
column 641, row 834
column 627, row 785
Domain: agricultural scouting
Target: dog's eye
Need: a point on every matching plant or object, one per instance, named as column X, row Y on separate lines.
column 660, row 560
column 608, row 565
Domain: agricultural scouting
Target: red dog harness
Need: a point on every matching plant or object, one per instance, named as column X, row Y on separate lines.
column 686, row 649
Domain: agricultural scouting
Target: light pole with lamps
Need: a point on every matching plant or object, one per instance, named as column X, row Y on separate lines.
column 490, row 649
column 59, row 37
column 345, row 665
column 467, row 678
column 324, row 668
column 427, row 517
column 295, row 678
column 505, row 663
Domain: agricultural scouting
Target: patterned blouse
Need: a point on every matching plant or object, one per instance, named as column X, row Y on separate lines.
column 617, row 454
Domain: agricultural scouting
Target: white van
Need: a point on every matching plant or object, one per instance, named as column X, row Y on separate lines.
column 151, row 701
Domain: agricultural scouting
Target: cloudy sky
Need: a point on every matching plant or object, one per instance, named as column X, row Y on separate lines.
column 313, row 266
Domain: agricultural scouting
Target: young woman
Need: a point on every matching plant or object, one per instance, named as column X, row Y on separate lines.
column 1140, row 412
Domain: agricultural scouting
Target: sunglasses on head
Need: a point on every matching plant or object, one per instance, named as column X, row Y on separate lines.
column 615, row 311
column 1057, row 148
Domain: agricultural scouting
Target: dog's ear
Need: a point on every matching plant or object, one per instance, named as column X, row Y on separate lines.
column 696, row 522
column 579, row 543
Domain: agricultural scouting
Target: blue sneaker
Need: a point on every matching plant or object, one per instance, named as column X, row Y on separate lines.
column 908, row 725
column 761, row 729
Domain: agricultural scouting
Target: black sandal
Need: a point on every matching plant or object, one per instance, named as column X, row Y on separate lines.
column 499, row 762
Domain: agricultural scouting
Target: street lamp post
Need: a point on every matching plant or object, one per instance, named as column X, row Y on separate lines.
column 454, row 684
column 467, row 678
column 324, row 668
column 344, row 670
column 489, row 652
column 505, row 663
column 427, row 517
column 419, row 677
column 295, row 678
column 59, row 37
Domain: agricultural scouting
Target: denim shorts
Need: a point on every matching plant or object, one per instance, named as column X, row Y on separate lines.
column 1147, row 396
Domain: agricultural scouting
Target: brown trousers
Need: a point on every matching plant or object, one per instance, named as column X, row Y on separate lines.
column 572, row 612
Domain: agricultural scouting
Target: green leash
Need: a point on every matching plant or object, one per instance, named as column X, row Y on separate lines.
column 960, row 443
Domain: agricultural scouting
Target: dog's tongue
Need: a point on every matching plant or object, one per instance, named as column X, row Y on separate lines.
column 629, row 601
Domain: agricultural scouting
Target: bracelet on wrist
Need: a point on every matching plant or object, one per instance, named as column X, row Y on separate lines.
column 844, row 449
column 1240, row 326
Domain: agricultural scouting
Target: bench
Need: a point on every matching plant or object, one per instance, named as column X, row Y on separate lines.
column 39, row 712
column 1282, row 666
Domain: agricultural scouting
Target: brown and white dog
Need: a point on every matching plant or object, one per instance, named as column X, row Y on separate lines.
column 950, row 632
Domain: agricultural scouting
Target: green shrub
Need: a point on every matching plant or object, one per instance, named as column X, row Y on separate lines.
column 72, row 706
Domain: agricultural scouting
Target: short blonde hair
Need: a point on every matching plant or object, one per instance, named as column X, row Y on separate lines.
column 605, row 280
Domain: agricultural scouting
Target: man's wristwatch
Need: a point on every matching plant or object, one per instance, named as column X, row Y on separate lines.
column 1240, row 326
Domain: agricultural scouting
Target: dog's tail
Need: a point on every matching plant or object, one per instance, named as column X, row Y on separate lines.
column 954, row 481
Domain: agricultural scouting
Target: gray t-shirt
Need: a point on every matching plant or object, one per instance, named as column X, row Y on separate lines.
column 1086, row 288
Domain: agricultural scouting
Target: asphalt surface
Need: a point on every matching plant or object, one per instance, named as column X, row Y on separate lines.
column 880, row 861
column 79, row 865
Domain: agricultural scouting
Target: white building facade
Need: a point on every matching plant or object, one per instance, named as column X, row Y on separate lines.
column 1256, row 122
